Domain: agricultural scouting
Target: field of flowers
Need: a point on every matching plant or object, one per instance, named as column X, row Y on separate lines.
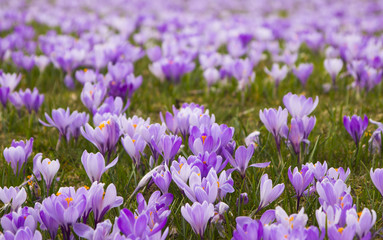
column 179, row 119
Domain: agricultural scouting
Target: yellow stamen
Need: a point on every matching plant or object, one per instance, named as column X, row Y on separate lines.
column 101, row 126
column 86, row 187
column 85, row 69
column 340, row 230
column 218, row 183
column 134, row 125
column 49, row 162
column 204, row 162
column 58, row 193
column 203, row 139
column 68, row 200
column 336, row 169
column 133, row 140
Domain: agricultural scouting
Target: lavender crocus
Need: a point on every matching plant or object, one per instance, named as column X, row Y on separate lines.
column 102, row 231
column 277, row 73
column 4, row 95
column 94, row 165
column 134, row 147
column 105, row 136
column 300, row 180
column 303, row 72
column 242, row 158
column 299, row 106
column 268, row 192
column 377, row 179
column 13, row 196
column 102, row 201
column 17, row 154
column 10, row 80
column 48, row 169
column 363, row 221
column 92, row 96
column 274, row 120
column 31, row 100
column 168, row 147
column 333, row 67
column 355, row 126
column 61, row 120
column 162, row 180
column 248, row 228
column 198, row 215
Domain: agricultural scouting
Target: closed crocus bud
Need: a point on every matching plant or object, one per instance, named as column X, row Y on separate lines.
column 243, row 199
column 16, row 157
column 198, row 215
column 162, row 180
column 48, row 169
column 377, row 179
column 355, row 126
column 94, row 165
column 14, row 195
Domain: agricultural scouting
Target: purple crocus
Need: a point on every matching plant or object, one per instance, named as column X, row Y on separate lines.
column 277, row 73
column 134, row 147
column 94, row 165
column 10, row 80
column 174, row 69
column 377, row 179
column 355, row 126
column 295, row 136
column 105, row 136
column 168, row 147
column 299, row 106
column 17, row 154
column 13, row 196
column 198, row 215
column 331, row 193
column 268, row 192
column 31, row 100
column 92, row 96
column 102, row 230
column 61, row 120
column 300, row 180
column 341, row 233
column 102, row 201
column 248, row 228
column 303, row 72
column 333, row 66
column 48, row 169
column 23, row 218
column 363, row 221
column 65, row 208
column 242, row 158
column 274, row 120
column 133, row 227
column 162, row 179
column 4, row 95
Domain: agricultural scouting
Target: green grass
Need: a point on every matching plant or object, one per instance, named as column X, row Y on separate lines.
column 231, row 107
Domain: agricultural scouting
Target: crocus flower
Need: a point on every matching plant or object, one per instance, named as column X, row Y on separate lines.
column 319, row 170
column 105, row 136
column 211, row 75
column 363, row 221
column 242, row 158
column 133, row 227
column 162, row 180
column 299, row 106
column 198, row 215
column 65, row 208
column 94, row 165
column 4, row 95
column 341, row 233
column 333, row 67
column 10, row 80
column 253, row 139
column 248, row 228
column 303, row 72
column 102, row 230
column 23, row 233
column 330, row 216
column 92, row 96
column 168, row 147
column 79, row 120
column 102, row 201
column 331, row 193
column 48, row 169
column 31, row 100
column 134, row 147
column 61, row 120
column 300, row 180
column 355, row 126
column 377, row 179
column 268, row 192
column 25, row 217
column 174, row 69
column 14, row 194
column 277, row 73
column 274, row 120
column 243, row 72
column 18, row 154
